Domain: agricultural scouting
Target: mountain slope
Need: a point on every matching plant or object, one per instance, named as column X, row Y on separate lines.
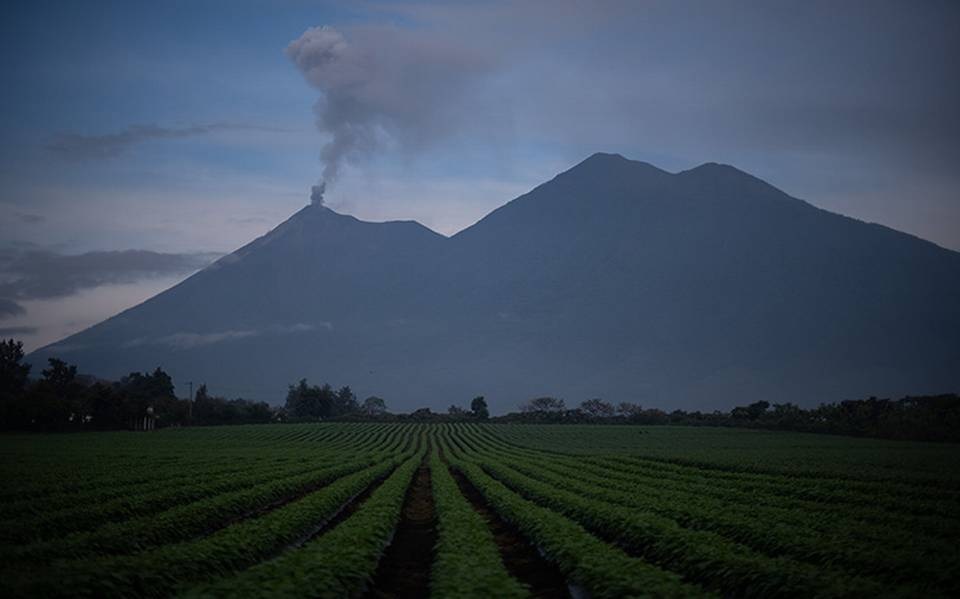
column 616, row 279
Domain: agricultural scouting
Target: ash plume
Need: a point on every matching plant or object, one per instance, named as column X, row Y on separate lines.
column 383, row 86
column 316, row 194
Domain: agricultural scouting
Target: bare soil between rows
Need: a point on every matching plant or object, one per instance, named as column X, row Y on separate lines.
column 266, row 508
column 522, row 560
column 348, row 508
column 404, row 570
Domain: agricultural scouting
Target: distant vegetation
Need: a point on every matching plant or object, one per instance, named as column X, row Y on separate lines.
column 924, row 418
column 62, row 400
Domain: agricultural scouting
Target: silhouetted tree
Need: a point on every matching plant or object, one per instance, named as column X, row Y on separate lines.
column 309, row 402
column 209, row 410
column 345, row 402
column 60, row 375
column 13, row 374
column 303, row 401
column 597, row 408
column 13, row 382
column 205, row 409
column 103, row 407
column 149, row 387
column 422, row 414
column 479, row 408
column 202, row 393
column 154, row 390
column 373, row 406
column 752, row 411
column 543, row 404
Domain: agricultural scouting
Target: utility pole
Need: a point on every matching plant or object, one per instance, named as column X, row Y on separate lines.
column 190, row 404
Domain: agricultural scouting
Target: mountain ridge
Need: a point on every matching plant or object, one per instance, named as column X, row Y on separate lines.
column 701, row 288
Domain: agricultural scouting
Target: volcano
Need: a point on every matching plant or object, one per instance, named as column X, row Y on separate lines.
column 701, row 289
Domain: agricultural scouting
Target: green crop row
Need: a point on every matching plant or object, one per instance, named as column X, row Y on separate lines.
column 860, row 520
column 702, row 556
column 797, row 455
column 160, row 571
column 754, row 491
column 621, row 511
column 602, row 569
column 467, row 563
column 340, row 563
column 181, row 522
column 51, row 472
column 896, row 496
column 87, row 515
column 64, row 477
column 15, row 511
column 191, row 519
column 790, row 533
column 811, row 534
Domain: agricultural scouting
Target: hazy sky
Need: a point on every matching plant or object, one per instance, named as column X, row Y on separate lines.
column 190, row 127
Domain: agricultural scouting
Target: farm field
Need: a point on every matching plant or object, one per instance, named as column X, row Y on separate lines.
column 476, row 510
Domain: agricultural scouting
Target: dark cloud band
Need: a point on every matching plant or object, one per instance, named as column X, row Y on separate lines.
column 10, row 308
column 40, row 274
column 15, row 331
column 93, row 147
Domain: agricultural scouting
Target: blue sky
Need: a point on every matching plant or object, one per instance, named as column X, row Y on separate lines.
column 185, row 127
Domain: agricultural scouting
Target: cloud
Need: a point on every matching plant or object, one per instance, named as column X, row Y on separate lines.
column 10, row 308
column 384, row 85
column 248, row 220
column 30, row 219
column 191, row 340
column 14, row 331
column 43, row 274
column 302, row 327
column 186, row 340
column 60, row 348
column 73, row 146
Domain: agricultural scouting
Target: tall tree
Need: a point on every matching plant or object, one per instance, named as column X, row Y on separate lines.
column 544, row 404
column 597, row 408
column 302, row 401
column 373, row 406
column 479, row 408
column 629, row 410
column 345, row 402
column 60, row 375
column 13, row 374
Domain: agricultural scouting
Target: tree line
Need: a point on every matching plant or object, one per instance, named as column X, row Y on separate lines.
column 61, row 400
column 919, row 418
column 310, row 403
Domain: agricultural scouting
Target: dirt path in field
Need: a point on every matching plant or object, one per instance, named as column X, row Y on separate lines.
column 521, row 559
column 404, row 570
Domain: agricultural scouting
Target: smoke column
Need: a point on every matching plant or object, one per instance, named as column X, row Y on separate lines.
column 316, row 194
column 383, row 86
